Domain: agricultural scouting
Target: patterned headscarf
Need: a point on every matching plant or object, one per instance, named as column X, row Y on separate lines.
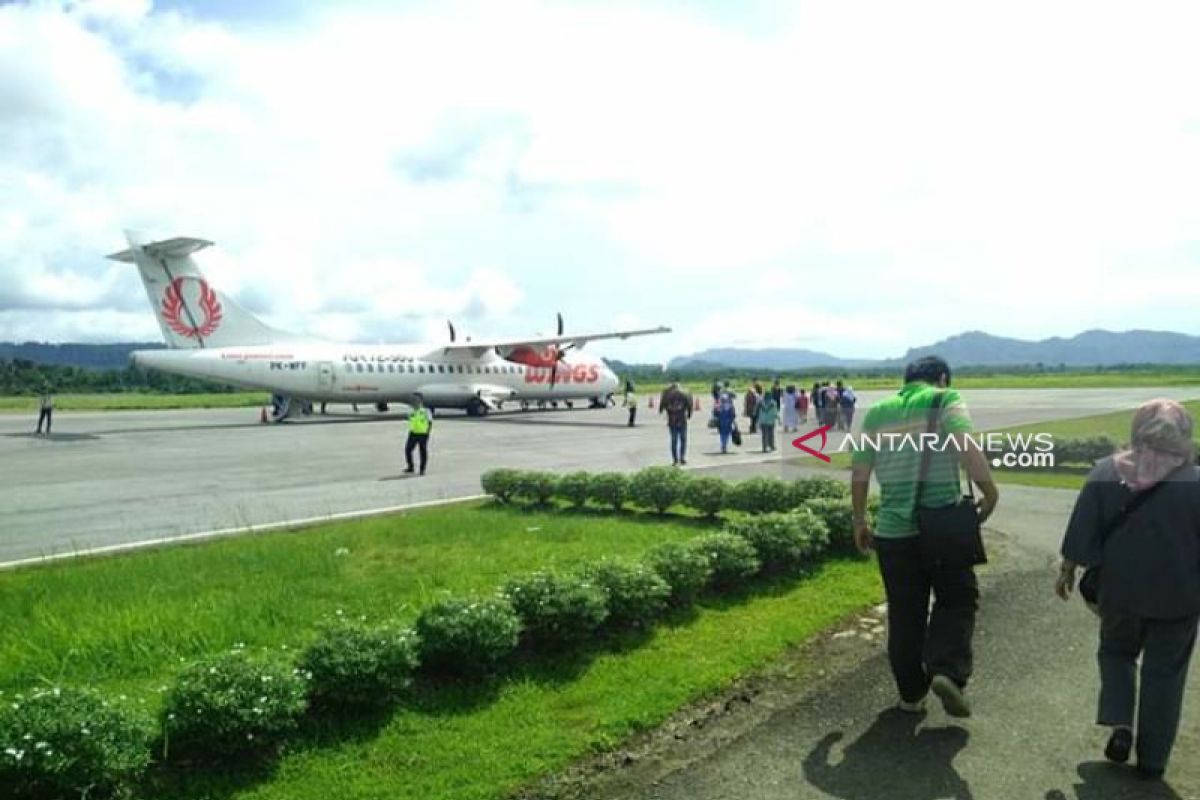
column 1160, row 442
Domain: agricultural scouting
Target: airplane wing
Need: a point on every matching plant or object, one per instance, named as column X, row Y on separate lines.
column 573, row 341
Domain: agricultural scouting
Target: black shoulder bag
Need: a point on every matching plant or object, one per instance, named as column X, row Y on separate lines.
column 948, row 536
column 1089, row 583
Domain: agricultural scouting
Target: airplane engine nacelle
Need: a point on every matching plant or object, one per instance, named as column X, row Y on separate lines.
column 530, row 356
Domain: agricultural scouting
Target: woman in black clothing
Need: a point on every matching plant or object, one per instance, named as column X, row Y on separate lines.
column 1139, row 517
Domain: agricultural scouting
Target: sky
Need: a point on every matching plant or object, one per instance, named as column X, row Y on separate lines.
column 856, row 178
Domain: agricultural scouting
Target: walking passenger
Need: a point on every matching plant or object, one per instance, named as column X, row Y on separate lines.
column 677, row 404
column 802, row 407
column 928, row 650
column 1138, row 516
column 790, row 410
column 726, row 417
column 768, row 415
column 750, row 407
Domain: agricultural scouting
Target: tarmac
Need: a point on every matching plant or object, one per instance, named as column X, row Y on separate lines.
column 116, row 479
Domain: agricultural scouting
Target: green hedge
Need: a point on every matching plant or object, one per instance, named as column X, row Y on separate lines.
column 356, row 664
column 232, row 704
column 661, row 488
column 783, row 541
column 66, row 742
column 556, row 611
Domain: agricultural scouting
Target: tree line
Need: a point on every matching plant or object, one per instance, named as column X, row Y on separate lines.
column 20, row 376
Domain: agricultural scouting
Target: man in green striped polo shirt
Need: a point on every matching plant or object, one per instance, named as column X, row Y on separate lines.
column 928, row 650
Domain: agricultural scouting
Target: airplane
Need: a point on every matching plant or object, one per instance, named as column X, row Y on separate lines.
column 210, row 336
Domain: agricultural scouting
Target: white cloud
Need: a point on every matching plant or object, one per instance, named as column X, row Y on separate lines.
column 856, row 178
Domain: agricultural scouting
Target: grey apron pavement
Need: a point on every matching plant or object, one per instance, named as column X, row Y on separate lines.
column 111, row 478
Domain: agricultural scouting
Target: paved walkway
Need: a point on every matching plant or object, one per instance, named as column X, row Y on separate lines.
column 1034, row 696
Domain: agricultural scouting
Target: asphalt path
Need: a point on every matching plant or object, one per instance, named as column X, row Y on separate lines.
column 1031, row 735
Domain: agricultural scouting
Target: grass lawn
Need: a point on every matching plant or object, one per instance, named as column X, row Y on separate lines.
column 131, row 401
column 124, row 623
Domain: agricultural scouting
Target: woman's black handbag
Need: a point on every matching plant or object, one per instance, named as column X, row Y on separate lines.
column 948, row 536
column 737, row 436
column 1089, row 583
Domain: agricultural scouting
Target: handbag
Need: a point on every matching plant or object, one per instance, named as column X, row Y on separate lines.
column 947, row 536
column 736, row 436
column 1089, row 582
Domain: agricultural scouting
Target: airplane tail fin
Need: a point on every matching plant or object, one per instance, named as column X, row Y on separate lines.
column 191, row 313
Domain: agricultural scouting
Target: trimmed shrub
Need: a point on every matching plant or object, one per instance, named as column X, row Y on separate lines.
column 609, row 489
column 70, row 743
column 353, row 663
column 686, row 570
column 805, row 489
column 232, row 704
column 467, row 637
column 635, row 594
column 557, row 611
column 838, row 516
column 575, row 488
column 657, row 488
column 499, row 483
column 1083, row 451
column 705, row 494
column 760, row 495
column 532, row 486
column 782, row 541
column 732, row 558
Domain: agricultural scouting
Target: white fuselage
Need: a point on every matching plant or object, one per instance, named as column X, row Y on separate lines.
column 387, row 373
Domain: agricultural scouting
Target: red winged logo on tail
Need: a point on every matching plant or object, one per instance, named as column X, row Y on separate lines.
column 173, row 310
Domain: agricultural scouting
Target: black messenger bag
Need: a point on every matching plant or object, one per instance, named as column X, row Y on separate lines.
column 948, row 536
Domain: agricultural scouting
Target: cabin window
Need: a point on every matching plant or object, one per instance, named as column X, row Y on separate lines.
column 358, row 367
column 420, row 368
column 391, row 367
column 408, row 368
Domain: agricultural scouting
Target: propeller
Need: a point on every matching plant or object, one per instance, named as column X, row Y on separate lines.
column 559, row 353
column 453, row 334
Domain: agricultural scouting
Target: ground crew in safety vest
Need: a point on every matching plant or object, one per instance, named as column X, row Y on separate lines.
column 420, row 423
column 631, row 402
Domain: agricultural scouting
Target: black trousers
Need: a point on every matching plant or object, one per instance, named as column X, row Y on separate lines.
column 924, row 643
column 1165, row 647
column 44, row 416
column 417, row 441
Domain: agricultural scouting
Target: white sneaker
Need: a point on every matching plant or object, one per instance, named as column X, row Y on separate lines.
column 917, row 707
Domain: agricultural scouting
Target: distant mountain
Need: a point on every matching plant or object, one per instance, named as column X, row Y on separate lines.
column 1087, row 349
column 970, row 349
column 978, row 349
column 93, row 356
column 769, row 358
